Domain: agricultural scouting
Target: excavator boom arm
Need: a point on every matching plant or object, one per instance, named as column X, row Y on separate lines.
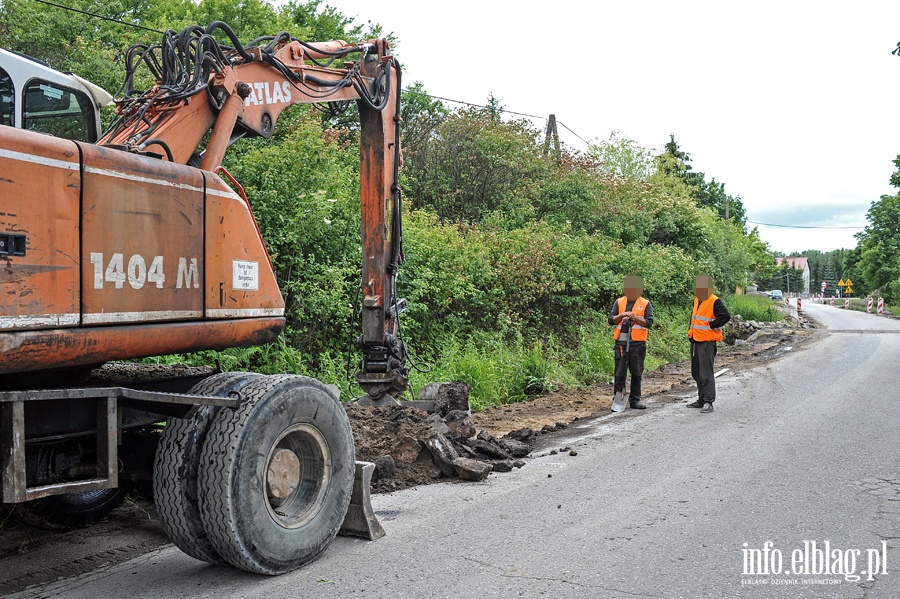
column 242, row 91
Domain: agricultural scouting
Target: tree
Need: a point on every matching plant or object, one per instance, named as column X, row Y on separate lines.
column 71, row 41
column 421, row 116
column 674, row 162
column 831, row 279
column 494, row 107
column 93, row 47
column 879, row 243
column 712, row 195
column 475, row 164
column 621, row 158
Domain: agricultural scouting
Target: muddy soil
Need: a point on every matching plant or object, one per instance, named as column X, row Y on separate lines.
column 29, row 556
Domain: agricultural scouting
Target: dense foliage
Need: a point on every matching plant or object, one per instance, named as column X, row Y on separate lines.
column 513, row 259
column 875, row 262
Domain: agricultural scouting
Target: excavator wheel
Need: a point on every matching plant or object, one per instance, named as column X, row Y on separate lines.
column 69, row 510
column 176, row 466
column 276, row 475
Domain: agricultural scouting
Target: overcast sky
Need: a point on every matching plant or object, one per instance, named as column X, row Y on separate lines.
column 795, row 106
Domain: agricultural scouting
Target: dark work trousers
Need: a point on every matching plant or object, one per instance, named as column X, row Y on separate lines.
column 703, row 354
column 635, row 356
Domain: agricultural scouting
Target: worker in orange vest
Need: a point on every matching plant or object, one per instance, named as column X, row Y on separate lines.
column 708, row 316
column 632, row 316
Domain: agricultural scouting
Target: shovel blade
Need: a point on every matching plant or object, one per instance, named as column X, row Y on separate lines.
column 618, row 402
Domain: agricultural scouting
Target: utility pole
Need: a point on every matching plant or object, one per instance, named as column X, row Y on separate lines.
column 727, row 227
column 551, row 132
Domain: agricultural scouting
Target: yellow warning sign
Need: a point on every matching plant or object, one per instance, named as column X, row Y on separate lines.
column 849, row 283
column 841, row 283
column 848, row 290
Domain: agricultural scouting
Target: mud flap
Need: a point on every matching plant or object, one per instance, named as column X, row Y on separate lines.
column 360, row 520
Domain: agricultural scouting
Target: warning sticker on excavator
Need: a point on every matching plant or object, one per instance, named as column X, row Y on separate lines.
column 245, row 275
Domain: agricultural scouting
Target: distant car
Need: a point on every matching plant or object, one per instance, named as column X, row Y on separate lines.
column 776, row 294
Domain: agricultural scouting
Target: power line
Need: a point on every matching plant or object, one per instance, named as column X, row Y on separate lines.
column 135, row 25
column 98, row 16
column 800, row 226
column 573, row 133
column 531, row 116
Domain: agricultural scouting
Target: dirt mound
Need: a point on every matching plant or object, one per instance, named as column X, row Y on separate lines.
column 411, row 447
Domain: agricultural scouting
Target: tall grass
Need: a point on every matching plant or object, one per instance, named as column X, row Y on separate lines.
column 754, row 307
column 499, row 369
column 501, row 372
column 497, row 372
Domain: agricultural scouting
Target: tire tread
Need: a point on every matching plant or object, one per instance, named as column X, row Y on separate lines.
column 175, row 498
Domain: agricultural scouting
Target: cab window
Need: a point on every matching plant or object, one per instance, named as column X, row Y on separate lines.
column 59, row 111
column 7, row 100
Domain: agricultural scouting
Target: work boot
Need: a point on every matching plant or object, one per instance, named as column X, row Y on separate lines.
column 696, row 404
column 637, row 405
column 707, row 408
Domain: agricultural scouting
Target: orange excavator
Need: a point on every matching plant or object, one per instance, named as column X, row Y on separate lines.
column 137, row 246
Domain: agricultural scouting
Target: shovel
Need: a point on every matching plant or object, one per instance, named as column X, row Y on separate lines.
column 619, row 398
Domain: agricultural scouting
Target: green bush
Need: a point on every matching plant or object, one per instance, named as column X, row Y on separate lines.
column 667, row 341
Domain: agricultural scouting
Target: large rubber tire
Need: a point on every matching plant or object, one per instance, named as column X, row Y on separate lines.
column 70, row 510
column 176, row 466
column 249, row 529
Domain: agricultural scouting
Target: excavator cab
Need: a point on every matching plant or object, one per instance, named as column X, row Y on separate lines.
column 36, row 97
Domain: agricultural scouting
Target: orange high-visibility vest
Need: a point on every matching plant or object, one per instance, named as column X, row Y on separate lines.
column 701, row 316
column 638, row 333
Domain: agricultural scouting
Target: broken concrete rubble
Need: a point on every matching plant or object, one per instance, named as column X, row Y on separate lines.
column 443, row 453
column 437, row 425
column 411, row 447
column 490, row 449
column 469, row 469
column 502, row 466
column 446, row 396
column 513, row 447
column 406, row 450
column 460, row 424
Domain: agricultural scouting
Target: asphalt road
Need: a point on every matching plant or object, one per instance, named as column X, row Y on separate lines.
column 662, row 503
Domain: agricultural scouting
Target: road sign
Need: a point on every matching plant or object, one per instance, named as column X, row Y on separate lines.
column 841, row 283
column 848, row 290
column 849, row 283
